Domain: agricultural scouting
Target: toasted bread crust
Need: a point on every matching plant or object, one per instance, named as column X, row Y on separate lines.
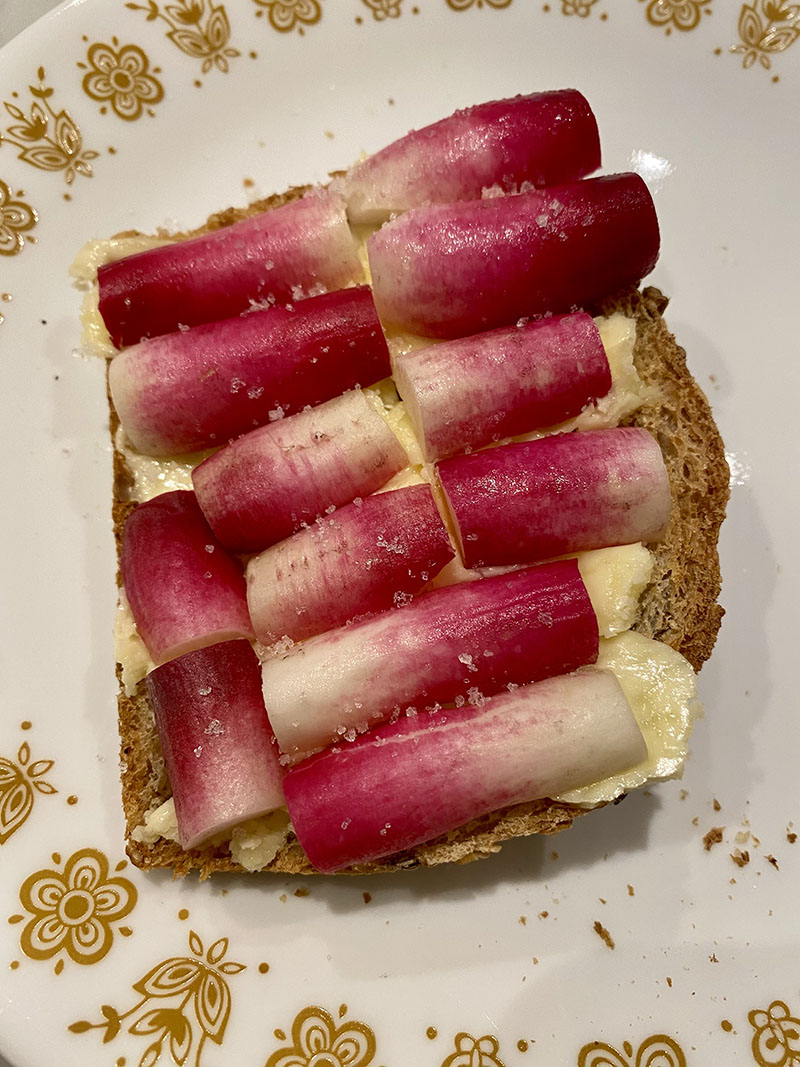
column 679, row 607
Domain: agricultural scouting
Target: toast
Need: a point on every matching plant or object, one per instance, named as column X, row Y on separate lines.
column 679, row 606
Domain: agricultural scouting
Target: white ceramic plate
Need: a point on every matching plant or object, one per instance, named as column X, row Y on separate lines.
column 498, row 962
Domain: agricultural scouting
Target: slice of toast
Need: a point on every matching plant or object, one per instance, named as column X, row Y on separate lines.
column 679, row 606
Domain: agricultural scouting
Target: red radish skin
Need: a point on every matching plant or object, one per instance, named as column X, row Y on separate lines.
column 456, row 644
column 269, row 483
column 278, row 256
column 363, row 558
column 219, row 751
column 184, row 590
column 457, row 269
column 565, row 493
column 420, row 777
column 470, row 392
column 192, row 390
column 543, row 138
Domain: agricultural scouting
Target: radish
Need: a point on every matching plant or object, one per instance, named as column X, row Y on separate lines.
column 187, row 391
column 184, row 590
column 417, row 778
column 469, row 392
column 456, row 269
column 543, row 138
column 362, row 558
column 301, row 248
column 455, row 644
column 564, row 493
column 270, row 482
column 218, row 747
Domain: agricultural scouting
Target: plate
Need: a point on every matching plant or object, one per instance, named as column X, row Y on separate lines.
column 661, row 932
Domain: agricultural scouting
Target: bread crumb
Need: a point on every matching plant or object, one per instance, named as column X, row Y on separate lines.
column 740, row 858
column 282, row 898
column 302, row 891
column 791, row 836
column 771, row 859
column 696, row 820
column 523, row 920
column 669, row 982
column 367, row 897
column 603, row 934
column 630, row 890
column 554, row 855
column 713, row 837
column 717, row 805
column 684, row 794
column 713, row 958
column 535, row 959
column 543, row 914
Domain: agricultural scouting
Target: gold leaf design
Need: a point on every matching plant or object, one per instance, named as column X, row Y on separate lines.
column 74, row 910
column 46, row 138
column 474, row 1052
column 581, row 8
column 316, row 1040
column 121, row 76
column 681, row 15
column 656, row 1051
column 18, row 780
column 201, row 32
column 384, row 9
column 766, row 28
column 285, row 15
column 776, row 1037
column 183, row 1002
column 462, row 5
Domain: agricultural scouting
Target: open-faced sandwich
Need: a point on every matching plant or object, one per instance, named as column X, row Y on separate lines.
column 416, row 506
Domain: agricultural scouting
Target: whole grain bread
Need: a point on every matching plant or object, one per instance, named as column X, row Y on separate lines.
column 679, row 606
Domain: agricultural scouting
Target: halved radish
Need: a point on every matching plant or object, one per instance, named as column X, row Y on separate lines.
column 454, row 269
column 533, row 500
column 218, row 747
column 364, row 557
column 191, row 390
column 298, row 249
column 455, row 644
column 270, row 482
column 184, row 590
column 466, row 393
column 543, row 138
column 408, row 782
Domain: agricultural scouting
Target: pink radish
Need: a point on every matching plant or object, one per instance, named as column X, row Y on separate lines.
column 362, row 558
column 456, row 269
column 564, row 493
column 218, row 747
column 469, row 392
column 184, row 590
column 186, row 391
column 543, row 138
column 269, row 483
column 455, row 644
column 298, row 249
column 408, row 782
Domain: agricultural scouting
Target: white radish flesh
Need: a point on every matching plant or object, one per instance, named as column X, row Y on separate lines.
column 363, row 558
column 408, row 782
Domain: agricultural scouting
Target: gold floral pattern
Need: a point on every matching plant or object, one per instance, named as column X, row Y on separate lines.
column 184, row 1001
column 20, row 781
column 284, row 15
column 680, row 15
column 581, row 8
column 200, row 30
column 474, row 1052
column 121, row 76
column 318, row 1042
column 384, row 9
column 766, row 29
column 656, row 1051
column 462, row 5
column 46, row 138
column 776, row 1040
column 74, row 910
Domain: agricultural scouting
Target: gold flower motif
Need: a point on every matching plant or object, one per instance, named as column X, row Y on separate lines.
column 767, row 32
column 581, row 8
column 121, row 77
column 318, row 1043
column 18, row 780
column 658, row 1049
column 184, row 1001
column 462, row 5
column 681, row 15
column 776, row 1041
column 74, row 910
column 384, row 9
column 474, row 1052
column 200, row 32
column 284, row 15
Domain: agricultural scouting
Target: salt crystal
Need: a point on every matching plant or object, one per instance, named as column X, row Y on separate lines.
column 459, row 702
column 512, row 686
column 198, row 752
column 183, row 327
column 276, row 413
column 401, row 599
column 350, row 735
column 254, row 392
column 476, row 697
column 209, row 549
column 467, row 660
column 346, row 823
column 215, row 728
column 207, row 574
column 204, row 690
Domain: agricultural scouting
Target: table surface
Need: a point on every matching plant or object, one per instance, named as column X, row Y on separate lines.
column 15, row 15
